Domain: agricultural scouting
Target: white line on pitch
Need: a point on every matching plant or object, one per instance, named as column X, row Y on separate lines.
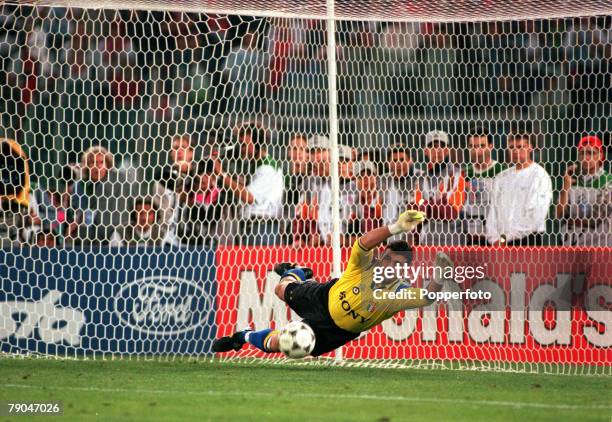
column 321, row 395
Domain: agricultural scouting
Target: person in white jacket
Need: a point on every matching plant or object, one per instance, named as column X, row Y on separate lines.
column 261, row 198
column 521, row 199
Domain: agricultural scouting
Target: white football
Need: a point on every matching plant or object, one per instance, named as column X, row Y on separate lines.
column 296, row 340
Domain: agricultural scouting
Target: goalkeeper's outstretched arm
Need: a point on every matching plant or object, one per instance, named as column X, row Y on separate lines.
column 407, row 221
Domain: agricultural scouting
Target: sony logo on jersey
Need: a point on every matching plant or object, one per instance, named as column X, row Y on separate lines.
column 349, row 311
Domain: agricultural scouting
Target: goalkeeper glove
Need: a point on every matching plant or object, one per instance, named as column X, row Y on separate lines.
column 407, row 221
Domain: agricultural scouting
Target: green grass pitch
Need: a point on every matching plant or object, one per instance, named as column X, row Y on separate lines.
column 216, row 391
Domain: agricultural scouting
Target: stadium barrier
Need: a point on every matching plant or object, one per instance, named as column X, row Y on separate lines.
column 554, row 310
column 83, row 302
column 148, row 301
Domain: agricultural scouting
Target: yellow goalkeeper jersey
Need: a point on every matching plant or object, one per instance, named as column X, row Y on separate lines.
column 353, row 304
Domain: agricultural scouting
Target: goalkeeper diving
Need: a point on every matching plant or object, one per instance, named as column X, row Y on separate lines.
column 339, row 310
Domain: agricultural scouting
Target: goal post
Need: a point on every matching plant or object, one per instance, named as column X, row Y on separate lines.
column 146, row 225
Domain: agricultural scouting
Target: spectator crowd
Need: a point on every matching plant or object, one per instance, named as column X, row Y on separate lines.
column 200, row 201
column 87, row 94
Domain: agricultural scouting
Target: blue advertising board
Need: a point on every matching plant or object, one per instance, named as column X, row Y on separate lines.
column 107, row 300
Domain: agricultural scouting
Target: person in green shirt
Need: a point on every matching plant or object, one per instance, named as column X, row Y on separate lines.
column 479, row 174
column 585, row 200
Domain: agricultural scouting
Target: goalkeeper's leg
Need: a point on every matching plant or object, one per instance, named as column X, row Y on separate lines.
column 265, row 340
column 293, row 275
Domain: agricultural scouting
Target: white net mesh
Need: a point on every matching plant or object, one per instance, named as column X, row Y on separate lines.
column 174, row 157
column 389, row 10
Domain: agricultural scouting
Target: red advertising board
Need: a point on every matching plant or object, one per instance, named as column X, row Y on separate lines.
column 548, row 305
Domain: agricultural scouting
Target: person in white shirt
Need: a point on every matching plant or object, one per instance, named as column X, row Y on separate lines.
column 400, row 186
column 261, row 198
column 520, row 199
column 313, row 223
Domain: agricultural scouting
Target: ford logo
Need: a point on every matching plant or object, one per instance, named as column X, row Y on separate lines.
column 162, row 305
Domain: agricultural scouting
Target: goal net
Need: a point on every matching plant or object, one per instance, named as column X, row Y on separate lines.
column 159, row 160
